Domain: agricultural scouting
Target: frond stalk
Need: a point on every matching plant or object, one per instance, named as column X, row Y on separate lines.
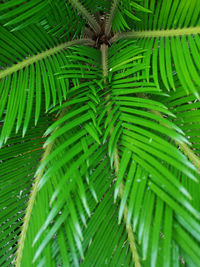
column 30, row 208
column 28, row 61
column 156, row 33
column 91, row 20
column 109, row 20
column 131, row 238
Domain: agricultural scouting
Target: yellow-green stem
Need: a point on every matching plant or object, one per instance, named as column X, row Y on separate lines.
column 156, row 33
column 32, row 198
column 190, row 154
column 30, row 60
column 30, row 208
column 129, row 229
column 104, row 59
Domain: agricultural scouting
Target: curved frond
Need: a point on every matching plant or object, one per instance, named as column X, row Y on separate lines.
column 21, row 75
column 152, row 174
column 109, row 19
column 91, row 20
column 19, row 161
column 68, row 163
column 136, row 134
column 171, row 36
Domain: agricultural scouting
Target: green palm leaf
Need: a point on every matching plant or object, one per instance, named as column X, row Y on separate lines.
column 19, row 159
column 170, row 33
column 28, row 73
column 107, row 169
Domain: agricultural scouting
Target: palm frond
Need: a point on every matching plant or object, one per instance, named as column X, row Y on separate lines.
column 22, row 13
column 53, row 16
column 81, row 136
column 19, row 161
column 114, row 248
column 58, row 22
column 91, row 20
column 186, row 109
column 109, row 19
column 25, row 75
column 171, row 36
column 125, row 16
column 134, row 148
column 118, row 180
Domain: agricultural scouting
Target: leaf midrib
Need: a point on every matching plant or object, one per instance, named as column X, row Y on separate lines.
column 31, row 60
column 157, row 33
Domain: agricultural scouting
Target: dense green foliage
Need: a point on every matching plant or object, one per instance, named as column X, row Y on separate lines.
column 100, row 133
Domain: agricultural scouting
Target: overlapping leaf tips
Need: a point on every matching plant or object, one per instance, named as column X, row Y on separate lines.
column 136, row 258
